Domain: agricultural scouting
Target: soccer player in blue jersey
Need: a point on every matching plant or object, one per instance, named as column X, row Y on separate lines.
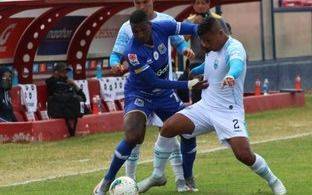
column 147, row 89
column 225, row 70
column 122, row 40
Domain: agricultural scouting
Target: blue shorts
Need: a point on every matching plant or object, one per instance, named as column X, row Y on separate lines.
column 164, row 106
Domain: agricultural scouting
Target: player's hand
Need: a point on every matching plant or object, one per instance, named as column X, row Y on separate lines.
column 198, row 19
column 189, row 53
column 197, row 84
column 228, row 81
column 118, row 69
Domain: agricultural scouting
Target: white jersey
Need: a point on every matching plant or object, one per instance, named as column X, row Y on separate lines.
column 216, row 68
column 125, row 33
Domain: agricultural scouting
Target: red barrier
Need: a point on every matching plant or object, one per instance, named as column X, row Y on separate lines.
column 51, row 130
column 272, row 101
column 55, row 129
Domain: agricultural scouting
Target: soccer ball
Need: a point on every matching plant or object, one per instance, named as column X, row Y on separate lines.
column 123, row 186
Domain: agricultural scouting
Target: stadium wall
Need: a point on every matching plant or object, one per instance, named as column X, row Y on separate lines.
column 281, row 73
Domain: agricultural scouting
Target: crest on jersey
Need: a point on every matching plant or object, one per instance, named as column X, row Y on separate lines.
column 162, row 48
column 215, row 64
column 133, row 59
column 139, row 102
column 155, row 55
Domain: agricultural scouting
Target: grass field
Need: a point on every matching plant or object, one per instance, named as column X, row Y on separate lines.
column 216, row 172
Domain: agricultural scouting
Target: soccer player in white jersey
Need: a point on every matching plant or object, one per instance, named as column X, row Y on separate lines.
column 123, row 37
column 221, row 108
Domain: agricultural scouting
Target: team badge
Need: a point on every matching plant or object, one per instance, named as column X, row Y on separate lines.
column 139, row 102
column 162, row 48
column 156, row 55
column 215, row 64
column 133, row 59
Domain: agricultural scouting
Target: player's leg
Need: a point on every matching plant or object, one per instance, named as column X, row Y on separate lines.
column 132, row 162
column 231, row 129
column 134, row 126
column 163, row 148
column 187, row 122
column 188, row 150
column 242, row 151
column 175, row 158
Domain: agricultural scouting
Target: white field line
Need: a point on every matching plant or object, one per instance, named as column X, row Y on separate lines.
column 151, row 160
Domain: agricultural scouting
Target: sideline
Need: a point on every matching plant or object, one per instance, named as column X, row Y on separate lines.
column 151, row 160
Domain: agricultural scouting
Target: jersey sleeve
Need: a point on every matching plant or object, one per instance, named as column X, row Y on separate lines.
column 236, row 57
column 235, row 51
column 122, row 40
column 178, row 28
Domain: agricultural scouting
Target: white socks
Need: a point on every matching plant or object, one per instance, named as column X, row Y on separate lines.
column 162, row 150
column 262, row 169
column 175, row 158
column 132, row 162
column 176, row 161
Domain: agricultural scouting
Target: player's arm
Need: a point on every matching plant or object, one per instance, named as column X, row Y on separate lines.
column 178, row 28
column 115, row 59
column 236, row 59
column 198, row 70
column 150, row 78
column 144, row 72
column 180, row 44
column 119, row 47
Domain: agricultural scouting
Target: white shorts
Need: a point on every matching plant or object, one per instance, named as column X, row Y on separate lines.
column 227, row 123
column 154, row 120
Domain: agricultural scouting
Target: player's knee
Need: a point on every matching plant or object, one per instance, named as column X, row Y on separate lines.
column 245, row 157
column 134, row 135
column 134, row 138
column 165, row 130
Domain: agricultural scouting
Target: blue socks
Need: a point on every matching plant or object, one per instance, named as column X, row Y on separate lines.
column 122, row 153
column 188, row 150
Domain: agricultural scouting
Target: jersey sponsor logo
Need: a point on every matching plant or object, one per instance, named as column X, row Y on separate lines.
column 162, row 71
column 149, row 61
column 133, row 59
column 162, row 48
column 155, row 55
column 139, row 102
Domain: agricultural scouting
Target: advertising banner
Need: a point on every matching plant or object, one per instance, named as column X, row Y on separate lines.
column 57, row 40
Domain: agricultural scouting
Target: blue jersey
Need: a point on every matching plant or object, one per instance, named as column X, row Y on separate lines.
column 153, row 59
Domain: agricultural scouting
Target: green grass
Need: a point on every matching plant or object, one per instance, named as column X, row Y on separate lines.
column 22, row 162
column 216, row 173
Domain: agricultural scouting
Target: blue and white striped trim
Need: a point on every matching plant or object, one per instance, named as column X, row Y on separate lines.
column 178, row 28
column 139, row 70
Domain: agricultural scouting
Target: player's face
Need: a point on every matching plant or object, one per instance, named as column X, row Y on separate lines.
column 144, row 5
column 142, row 31
column 201, row 6
column 212, row 40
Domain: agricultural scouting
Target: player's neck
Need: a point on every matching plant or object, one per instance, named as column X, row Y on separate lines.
column 224, row 40
column 152, row 15
column 149, row 43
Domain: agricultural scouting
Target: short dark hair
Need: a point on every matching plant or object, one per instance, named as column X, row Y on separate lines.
column 138, row 16
column 207, row 1
column 210, row 24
